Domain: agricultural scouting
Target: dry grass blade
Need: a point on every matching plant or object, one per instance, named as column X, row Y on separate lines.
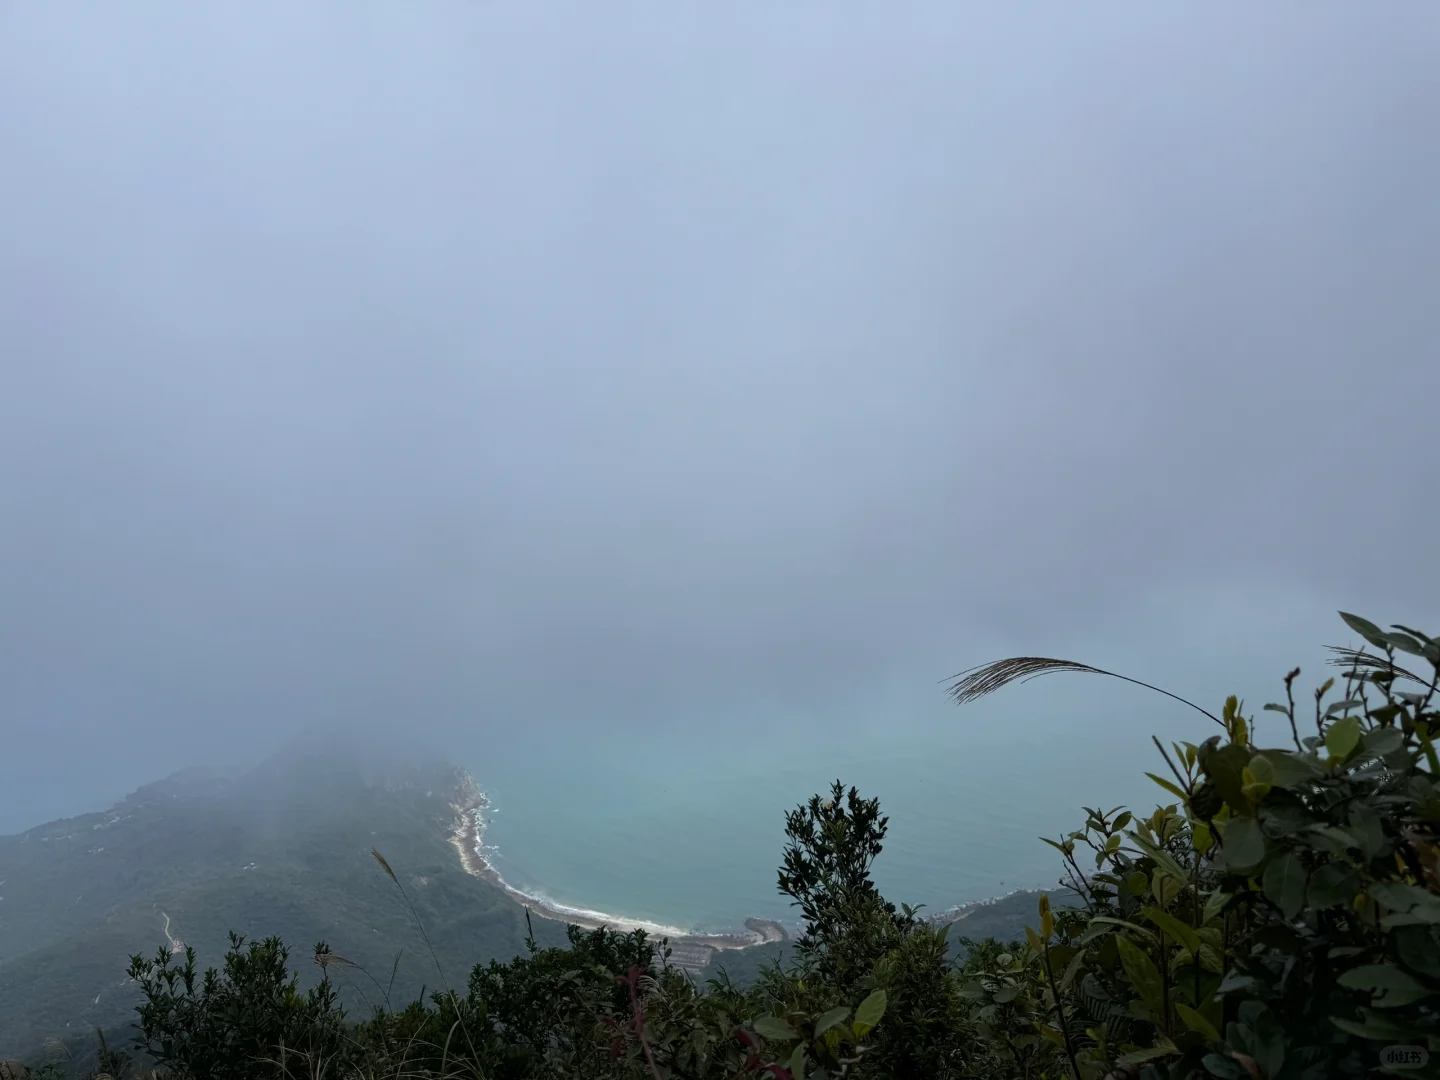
column 384, row 865
column 1360, row 661
column 977, row 682
column 425, row 937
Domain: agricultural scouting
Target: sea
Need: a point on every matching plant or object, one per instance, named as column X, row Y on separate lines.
column 684, row 825
column 662, row 831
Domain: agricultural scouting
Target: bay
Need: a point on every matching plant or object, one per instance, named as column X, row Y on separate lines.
column 692, row 836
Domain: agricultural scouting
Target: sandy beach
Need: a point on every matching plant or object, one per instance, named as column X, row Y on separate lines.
column 689, row 950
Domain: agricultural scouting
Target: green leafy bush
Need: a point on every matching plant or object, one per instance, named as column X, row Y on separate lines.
column 241, row 1022
column 1280, row 920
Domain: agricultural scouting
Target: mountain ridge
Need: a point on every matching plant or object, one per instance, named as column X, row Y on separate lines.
column 193, row 856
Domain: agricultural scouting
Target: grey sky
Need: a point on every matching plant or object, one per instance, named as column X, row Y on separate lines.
column 623, row 366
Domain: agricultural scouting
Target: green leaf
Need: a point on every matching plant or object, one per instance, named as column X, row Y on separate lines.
column 1335, row 839
column 1342, row 737
column 1051, row 1034
column 1164, row 861
column 1214, row 903
column 1196, row 1023
column 1243, row 845
column 1405, row 643
column 1072, row 969
column 1168, row 786
column 1398, row 896
column 1262, row 769
column 1163, row 1048
column 871, row 1009
column 1366, row 825
column 1178, row 931
column 775, row 1027
column 828, row 1020
column 1382, row 741
column 1236, row 980
column 1418, row 635
column 1373, row 1026
column 1105, row 920
column 1331, row 884
column 1284, row 883
column 1201, row 838
column 1164, row 889
column 1224, row 766
column 1393, row 986
column 1267, row 1042
column 797, row 1063
column 1141, row 972
column 1366, row 629
column 1225, row 1067
column 1289, row 769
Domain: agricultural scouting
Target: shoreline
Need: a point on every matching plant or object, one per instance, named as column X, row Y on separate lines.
column 689, row 949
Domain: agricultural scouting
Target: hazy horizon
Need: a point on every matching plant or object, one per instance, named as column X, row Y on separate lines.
column 507, row 378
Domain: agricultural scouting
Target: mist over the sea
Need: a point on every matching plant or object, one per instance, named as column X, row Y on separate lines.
column 687, row 830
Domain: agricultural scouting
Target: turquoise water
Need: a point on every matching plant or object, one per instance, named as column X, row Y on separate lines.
column 687, row 829
column 692, row 837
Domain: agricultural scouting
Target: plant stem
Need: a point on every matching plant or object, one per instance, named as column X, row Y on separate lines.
column 1060, row 1010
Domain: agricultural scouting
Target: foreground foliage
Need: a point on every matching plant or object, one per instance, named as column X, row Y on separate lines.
column 1278, row 919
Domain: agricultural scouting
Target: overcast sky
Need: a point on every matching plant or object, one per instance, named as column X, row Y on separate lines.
column 448, row 367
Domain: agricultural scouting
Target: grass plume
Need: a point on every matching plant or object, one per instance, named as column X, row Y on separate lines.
column 977, row 682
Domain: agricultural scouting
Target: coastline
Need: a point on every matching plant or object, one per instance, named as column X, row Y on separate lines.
column 688, row 949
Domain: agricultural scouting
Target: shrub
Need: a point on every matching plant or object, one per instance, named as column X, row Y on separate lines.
column 1280, row 920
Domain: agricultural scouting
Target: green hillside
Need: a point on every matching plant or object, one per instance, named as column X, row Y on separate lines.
column 259, row 854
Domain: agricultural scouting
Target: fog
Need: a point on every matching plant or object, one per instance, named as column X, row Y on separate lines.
column 497, row 374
